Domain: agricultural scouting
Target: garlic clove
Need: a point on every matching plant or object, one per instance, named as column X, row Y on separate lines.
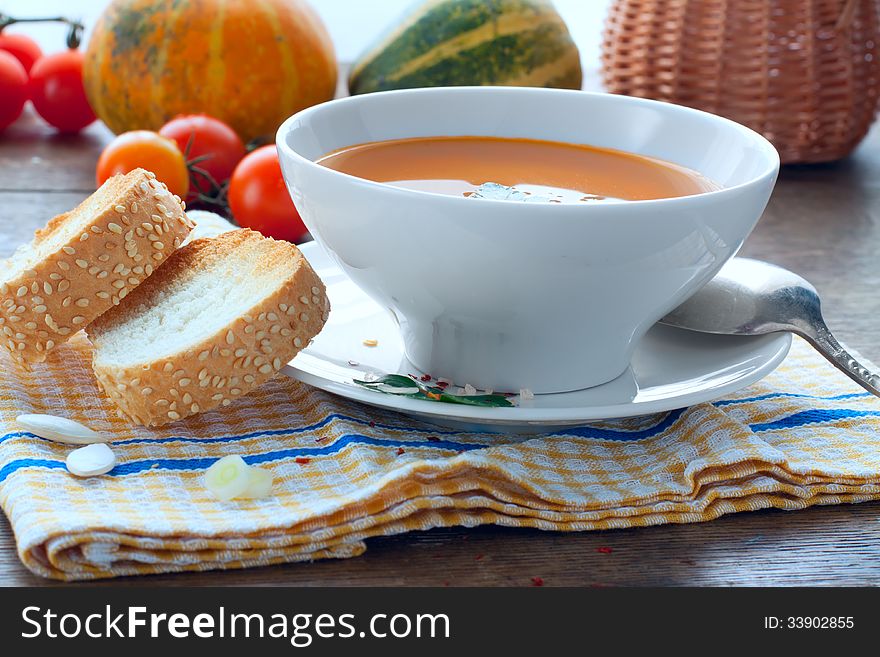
column 91, row 460
column 259, row 485
column 228, row 478
column 59, row 429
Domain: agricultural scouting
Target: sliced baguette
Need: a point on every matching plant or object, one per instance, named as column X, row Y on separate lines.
column 85, row 261
column 221, row 317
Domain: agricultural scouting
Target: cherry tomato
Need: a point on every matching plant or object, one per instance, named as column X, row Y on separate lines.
column 22, row 47
column 210, row 146
column 13, row 89
column 150, row 151
column 57, row 91
column 259, row 200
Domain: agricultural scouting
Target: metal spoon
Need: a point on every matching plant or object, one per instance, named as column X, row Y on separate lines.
column 751, row 297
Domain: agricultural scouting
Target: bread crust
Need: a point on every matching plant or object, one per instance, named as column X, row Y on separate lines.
column 236, row 359
column 140, row 224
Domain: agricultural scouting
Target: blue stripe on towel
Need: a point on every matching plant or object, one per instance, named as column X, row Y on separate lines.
column 256, row 434
column 134, row 467
column 610, row 434
column 776, row 395
column 815, row 416
column 601, row 433
column 11, row 467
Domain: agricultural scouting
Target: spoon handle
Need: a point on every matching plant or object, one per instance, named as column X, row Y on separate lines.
column 826, row 344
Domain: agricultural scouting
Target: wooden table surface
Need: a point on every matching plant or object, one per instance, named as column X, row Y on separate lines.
column 823, row 221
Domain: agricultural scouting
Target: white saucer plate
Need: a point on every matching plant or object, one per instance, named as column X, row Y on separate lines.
column 672, row 368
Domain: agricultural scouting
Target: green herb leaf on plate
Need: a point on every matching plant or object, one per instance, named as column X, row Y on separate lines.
column 404, row 386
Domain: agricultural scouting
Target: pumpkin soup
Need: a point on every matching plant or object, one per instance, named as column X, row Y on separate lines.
column 517, row 169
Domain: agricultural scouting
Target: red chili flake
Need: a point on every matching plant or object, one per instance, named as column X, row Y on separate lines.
column 432, row 395
column 321, row 439
column 302, row 460
column 400, row 451
column 479, row 557
column 425, row 377
column 433, row 439
column 372, row 424
column 537, row 581
column 442, row 384
column 460, row 451
column 604, row 549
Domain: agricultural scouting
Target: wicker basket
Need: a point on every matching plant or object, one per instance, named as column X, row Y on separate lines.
column 805, row 73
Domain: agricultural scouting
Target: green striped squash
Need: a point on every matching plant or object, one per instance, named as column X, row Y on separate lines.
column 471, row 42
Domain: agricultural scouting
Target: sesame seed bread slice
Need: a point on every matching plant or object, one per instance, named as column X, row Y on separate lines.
column 85, row 261
column 221, row 317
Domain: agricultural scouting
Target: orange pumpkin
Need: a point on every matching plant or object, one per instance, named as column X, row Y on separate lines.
column 250, row 64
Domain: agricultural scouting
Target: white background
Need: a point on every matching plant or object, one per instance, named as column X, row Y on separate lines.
column 352, row 23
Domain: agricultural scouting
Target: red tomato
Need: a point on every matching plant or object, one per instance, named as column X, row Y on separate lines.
column 148, row 150
column 57, row 91
column 210, row 146
column 22, row 47
column 259, row 200
column 13, row 88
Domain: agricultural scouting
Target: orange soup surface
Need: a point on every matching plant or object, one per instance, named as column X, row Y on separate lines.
column 518, row 169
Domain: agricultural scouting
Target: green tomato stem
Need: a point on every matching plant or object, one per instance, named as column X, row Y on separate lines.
column 74, row 34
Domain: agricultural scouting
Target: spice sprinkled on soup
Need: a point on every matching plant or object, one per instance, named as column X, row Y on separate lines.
column 517, row 169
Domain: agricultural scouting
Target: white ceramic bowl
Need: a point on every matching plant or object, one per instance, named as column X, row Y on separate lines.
column 508, row 295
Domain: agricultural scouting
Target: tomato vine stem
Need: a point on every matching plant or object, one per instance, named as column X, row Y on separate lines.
column 74, row 32
column 217, row 196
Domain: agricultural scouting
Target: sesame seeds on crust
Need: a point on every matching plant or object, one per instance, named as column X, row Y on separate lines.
column 68, row 288
column 239, row 357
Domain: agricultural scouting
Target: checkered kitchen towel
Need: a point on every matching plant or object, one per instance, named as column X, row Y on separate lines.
column 344, row 472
